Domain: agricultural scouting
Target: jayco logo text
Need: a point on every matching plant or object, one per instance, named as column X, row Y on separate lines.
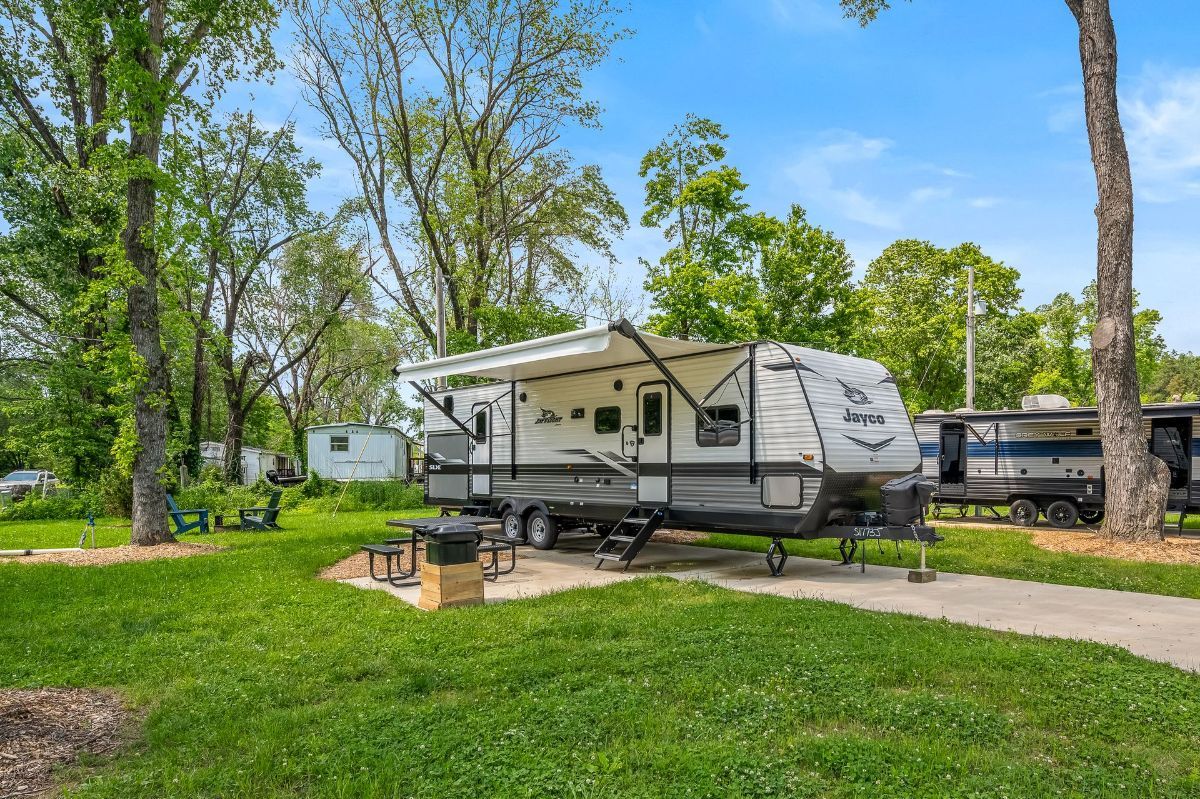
column 863, row 418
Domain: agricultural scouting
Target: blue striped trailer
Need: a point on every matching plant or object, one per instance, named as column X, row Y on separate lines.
column 1047, row 461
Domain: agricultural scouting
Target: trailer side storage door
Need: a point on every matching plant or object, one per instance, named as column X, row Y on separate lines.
column 446, row 467
column 654, row 437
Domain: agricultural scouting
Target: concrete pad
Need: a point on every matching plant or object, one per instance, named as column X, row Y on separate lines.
column 1159, row 628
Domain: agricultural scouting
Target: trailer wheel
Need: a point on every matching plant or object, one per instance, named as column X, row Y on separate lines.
column 1094, row 516
column 513, row 525
column 1062, row 514
column 541, row 530
column 1023, row 512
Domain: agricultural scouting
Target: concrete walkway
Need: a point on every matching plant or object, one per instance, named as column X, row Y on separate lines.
column 1155, row 627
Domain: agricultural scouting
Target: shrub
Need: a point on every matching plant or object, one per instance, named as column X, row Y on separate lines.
column 115, row 489
column 63, row 505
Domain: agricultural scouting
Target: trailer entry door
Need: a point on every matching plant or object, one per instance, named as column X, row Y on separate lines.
column 952, row 460
column 481, row 450
column 654, row 444
column 1171, row 441
column 446, row 464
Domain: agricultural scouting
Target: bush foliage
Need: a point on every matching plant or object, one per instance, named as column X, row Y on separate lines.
column 111, row 495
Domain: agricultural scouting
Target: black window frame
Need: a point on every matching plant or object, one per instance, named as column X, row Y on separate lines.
column 599, row 412
column 645, row 417
column 715, row 412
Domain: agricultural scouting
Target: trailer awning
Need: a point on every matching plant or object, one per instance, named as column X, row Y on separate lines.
column 590, row 348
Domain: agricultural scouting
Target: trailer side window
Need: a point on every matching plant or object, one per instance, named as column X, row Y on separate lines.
column 652, row 414
column 339, row 443
column 728, row 432
column 607, row 419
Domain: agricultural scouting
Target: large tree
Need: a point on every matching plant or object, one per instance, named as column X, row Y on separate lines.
column 917, row 293
column 62, row 205
column 1136, row 481
column 169, row 58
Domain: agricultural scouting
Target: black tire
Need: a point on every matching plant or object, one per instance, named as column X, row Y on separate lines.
column 513, row 525
column 541, row 530
column 1093, row 516
column 1062, row 514
column 1023, row 512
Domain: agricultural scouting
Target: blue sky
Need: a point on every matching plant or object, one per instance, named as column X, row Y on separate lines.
column 946, row 120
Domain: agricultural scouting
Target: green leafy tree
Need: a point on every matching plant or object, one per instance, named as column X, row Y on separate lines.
column 450, row 113
column 702, row 286
column 917, row 295
column 159, row 49
column 806, row 292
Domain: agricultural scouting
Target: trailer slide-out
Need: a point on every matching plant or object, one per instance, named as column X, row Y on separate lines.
column 1047, row 460
column 621, row 432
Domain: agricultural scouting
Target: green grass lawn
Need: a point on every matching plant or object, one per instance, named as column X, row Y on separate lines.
column 258, row 681
column 998, row 553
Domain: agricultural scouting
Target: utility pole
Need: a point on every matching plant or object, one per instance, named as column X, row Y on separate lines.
column 440, row 301
column 971, row 337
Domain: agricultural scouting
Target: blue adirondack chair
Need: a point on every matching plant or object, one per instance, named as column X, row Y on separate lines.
column 182, row 525
column 262, row 518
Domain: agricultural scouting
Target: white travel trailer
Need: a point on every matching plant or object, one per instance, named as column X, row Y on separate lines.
column 349, row 450
column 255, row 462
column 621, row 431
column 1047, row 458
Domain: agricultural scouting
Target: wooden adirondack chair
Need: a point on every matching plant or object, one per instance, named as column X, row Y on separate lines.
column 179, row 517
column 262, row 518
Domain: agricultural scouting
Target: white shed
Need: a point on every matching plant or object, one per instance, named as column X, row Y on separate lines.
column 360, row 451
column 255, row 461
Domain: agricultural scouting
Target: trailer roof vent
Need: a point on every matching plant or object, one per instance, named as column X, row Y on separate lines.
column 1041, row 402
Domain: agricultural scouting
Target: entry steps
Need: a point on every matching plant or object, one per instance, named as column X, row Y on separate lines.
column 629, row 535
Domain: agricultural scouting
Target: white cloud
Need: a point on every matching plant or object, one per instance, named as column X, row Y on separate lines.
column 927, row 194
column 811, row 15
column 814, row 171
column 984, row 202
column 1161, row 113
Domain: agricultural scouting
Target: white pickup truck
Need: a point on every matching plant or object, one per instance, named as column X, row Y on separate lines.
column 23, row 481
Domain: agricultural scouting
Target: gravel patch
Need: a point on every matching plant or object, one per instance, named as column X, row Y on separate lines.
column 106, row 556
column 45, row 728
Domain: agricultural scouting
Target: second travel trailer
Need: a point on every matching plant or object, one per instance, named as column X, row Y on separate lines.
column 1047, row 459
column 623, row 431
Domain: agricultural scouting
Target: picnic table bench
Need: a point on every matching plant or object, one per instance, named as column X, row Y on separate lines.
column 392, row 550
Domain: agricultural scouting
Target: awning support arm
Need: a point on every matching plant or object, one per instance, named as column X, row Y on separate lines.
column 626, row 329
column 420, row 389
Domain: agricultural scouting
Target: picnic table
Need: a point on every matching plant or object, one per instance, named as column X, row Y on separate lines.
column 392, row 548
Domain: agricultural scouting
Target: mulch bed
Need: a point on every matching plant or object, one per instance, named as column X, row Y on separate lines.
column 106, row 556
column 44, row 728
column 1171, row 550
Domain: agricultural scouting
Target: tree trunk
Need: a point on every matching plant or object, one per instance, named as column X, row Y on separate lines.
column 1135, row 493
column 151, row 402
column 300, row 447
column 233, row 442
column 191, row 455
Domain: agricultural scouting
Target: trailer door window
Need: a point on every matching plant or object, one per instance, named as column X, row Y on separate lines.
column 481, row 424
column 607, row 419
column 652, row 414
column 339, row 443
column 728, row 432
